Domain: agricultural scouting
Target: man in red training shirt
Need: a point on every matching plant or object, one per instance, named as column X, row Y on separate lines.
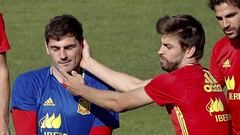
column 224, row 63
column 192, row 97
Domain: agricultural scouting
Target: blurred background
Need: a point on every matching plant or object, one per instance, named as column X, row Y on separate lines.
column 121, row 34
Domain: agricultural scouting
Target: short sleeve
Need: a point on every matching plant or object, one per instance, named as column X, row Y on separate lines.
column 23, row 94
column 4, row 44
column 104, row 117
column 166, row 89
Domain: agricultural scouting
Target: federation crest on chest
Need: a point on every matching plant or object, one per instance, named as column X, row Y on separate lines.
column 83, row 106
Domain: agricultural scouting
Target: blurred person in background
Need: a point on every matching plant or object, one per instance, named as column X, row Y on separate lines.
column 224, row 63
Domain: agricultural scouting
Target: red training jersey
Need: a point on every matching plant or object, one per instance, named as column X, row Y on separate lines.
column 194, row 100
column 4, row 45
column 225, row 67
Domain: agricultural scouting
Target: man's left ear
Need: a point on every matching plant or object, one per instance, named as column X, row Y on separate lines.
column 190, row 51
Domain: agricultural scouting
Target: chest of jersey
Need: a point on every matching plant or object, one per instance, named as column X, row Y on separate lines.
column 229, row 67
column 59, row 112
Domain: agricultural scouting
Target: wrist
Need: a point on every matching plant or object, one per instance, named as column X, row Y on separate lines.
column 4, row 126
column 87, row 63
column 81, row 90
column 4, row 118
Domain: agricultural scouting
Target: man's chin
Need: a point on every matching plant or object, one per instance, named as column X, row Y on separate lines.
column 165, row 68
column 232, row 36
column 67, row 70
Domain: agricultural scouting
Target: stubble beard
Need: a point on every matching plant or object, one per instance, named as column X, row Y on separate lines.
column 169, row 66
column 234, row 35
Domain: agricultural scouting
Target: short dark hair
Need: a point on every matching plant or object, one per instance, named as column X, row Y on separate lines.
column 61, row 26
column 213, row 3
column 188, row 30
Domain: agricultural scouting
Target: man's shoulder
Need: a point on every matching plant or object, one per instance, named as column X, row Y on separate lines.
column 95, row 82
column 165, row 77
column 222, row 42
column 182, row 73
column 88, row 77
column 35, row 74
column 221, row 47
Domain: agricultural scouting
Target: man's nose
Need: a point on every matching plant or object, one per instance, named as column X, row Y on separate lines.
column 63, row 54
column 226, row 23
column 160, row 51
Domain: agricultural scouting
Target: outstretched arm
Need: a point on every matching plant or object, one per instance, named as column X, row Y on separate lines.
column 4, row 93
column 118, row 80
column 112, row 100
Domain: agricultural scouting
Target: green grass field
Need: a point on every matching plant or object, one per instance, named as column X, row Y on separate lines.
column 122, row 35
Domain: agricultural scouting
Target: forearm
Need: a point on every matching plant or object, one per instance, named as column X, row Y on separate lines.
column 4, row 93
column 4, row 102
column 116, row 101
column 105, row 99
column 117, row 80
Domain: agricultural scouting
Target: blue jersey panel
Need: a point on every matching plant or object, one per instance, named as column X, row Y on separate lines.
column 103, row 116
column 59, row 112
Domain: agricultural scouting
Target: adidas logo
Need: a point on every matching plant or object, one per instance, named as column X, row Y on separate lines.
column 226, row 64
column 211, row 84
column 49, row 102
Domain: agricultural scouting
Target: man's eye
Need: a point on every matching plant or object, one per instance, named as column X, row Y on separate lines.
column 169, row 47
column 54, row 48
column 219, row 18
column 69, row 47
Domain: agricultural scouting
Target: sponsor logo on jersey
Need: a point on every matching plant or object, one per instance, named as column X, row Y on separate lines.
column 83, row 106
column 223, row 117
column 230, row 83
column 214, row 106
column 234, row 96
column 226, row 64
column 51, row 122
column 54, row 133
column 49, row 102
column 211, row 84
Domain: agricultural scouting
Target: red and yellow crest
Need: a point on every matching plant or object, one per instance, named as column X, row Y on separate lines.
column 83, row 106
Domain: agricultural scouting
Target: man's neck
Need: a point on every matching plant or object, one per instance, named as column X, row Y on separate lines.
column 189, row 62
column 235, row 42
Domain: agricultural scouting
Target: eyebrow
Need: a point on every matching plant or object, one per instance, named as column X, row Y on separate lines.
column 63, row 46
column 228, row 15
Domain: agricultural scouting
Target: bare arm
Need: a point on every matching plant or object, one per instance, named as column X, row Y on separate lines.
column 118, row 80
column 4, row 93
column 116, row 101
